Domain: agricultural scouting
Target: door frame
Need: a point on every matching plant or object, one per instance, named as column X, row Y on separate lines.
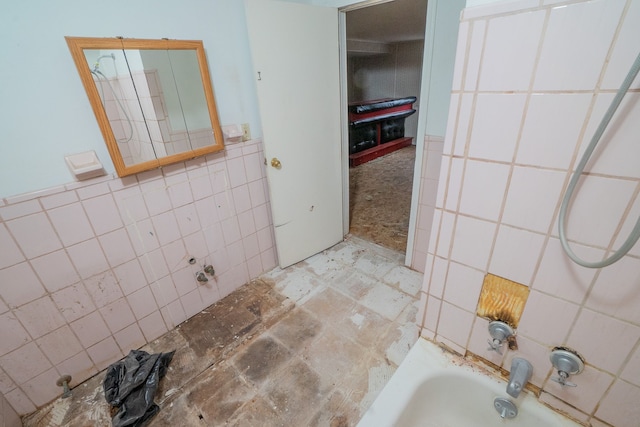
column 427, row 60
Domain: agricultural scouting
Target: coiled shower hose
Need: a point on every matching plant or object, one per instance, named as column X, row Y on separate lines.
column 635, row 233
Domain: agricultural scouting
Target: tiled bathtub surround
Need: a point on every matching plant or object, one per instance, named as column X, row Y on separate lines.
column 531, row 83
column 93, row 269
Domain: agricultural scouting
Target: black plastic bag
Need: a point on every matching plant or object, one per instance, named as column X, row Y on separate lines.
column 131, row 384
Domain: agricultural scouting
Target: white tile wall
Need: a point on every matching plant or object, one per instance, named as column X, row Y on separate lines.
column 451, row 118
column 552, row 145
column 34, row 234
column 473, row 62
column 21, row 284
column 455, row 325
column 456, row 84
column 12, row 254
column 452, row 193
column 39, row 317
column 463, row 286
column 621, row 395
column 14, row 334
column 483, row 189
column 431, row 161
column 591, row 385
column 624, row 302
column 472, row 242
column 97, row 268
column 598, row 208
column 631, row 372
column 445, row 233
column 532, row 198
column 71, row 223
column 464, row 121
column 620, row 61
column 513, row 251
column 577, row 40
column 594, row 331
column 507, row 63
column 547, row 72
column 548, row 327
column 8, row 416
column 496, row 125
column 559, row 276
column 617, row 158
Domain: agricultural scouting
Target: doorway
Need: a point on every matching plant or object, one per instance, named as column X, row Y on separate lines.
column 385, row 48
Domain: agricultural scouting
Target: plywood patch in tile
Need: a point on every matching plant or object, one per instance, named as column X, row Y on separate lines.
column 502, row 299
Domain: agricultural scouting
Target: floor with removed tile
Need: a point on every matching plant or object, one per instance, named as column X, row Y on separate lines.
column 380, row 199
column 309, row 345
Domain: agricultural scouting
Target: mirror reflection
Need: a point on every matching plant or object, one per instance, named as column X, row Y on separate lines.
column 153, row 104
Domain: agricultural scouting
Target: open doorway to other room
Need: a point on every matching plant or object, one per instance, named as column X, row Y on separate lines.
column 385, row 46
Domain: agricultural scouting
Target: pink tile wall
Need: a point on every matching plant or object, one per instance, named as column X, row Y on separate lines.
column 94, row 269
column 531, row 82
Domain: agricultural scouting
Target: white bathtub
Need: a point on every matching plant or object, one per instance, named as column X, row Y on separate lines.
column 432, row 388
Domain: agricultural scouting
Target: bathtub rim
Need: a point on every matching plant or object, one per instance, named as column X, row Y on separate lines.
column 426, row 360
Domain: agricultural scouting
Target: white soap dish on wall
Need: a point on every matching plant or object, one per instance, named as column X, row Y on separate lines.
column 232, row 133
column 84, row 165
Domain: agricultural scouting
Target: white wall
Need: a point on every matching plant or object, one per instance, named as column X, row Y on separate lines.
column 440, row 48
column 408, row 78
column 45, row 114
column 393, row 75
column 371, row 76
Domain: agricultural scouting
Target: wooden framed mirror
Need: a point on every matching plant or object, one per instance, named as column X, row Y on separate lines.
column 153, row 99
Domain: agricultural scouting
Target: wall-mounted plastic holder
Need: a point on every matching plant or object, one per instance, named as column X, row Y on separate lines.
column 84, row 165
column 232, row 133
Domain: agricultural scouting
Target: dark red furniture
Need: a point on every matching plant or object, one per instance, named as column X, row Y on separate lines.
column 376, row 128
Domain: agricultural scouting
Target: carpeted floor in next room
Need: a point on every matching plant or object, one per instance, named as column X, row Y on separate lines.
column 310, row 345
column 380, row 199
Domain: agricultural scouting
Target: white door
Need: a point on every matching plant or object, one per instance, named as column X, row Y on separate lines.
column 296, row 64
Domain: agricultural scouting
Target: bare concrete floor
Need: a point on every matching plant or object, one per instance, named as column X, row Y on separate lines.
column 310, row 345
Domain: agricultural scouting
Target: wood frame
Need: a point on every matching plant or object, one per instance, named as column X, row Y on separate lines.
column 77, row 46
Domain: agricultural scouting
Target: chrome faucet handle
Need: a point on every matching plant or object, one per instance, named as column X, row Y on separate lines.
column 567, row 362
column 500, row 332
column 562, row 379
column 495, row 345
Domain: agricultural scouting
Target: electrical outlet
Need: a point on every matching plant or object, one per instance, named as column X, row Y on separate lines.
column 246, row 132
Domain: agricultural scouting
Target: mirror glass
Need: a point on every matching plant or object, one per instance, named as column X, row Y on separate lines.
column 153, row 99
